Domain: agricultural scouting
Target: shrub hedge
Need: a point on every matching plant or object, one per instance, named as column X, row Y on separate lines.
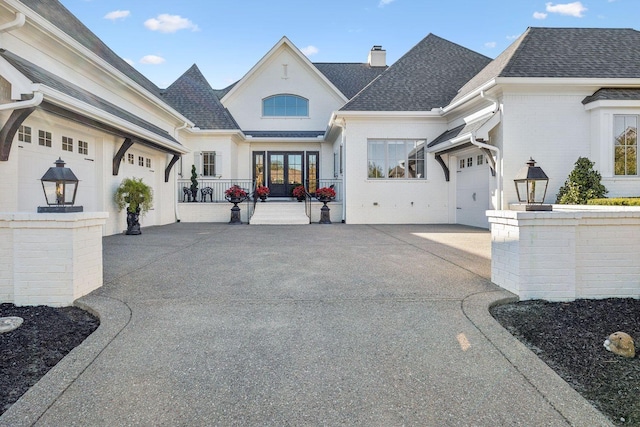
column 616, row 201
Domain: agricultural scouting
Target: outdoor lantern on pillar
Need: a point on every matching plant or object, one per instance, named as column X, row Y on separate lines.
column 531, row 186
column 60, row 186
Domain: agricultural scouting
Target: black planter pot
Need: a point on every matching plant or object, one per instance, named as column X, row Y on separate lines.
column 133, row 223
column 325, row 215
column 235, row 210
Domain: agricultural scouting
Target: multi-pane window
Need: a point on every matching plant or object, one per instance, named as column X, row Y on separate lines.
column 130, row 158
column 396, row 159
column 140, row 161
column 461, row 164
column 67, row 144
column 625, row 131
column 24, row 134
column 208, row 163
column 147, row 162
column 469, row 162
column 44, row 138
column 285, row 105
column 83, row 147
column 480, row 159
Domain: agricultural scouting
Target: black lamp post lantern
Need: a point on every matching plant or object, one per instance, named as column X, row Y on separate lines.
column 60, row 185
column 531, row 187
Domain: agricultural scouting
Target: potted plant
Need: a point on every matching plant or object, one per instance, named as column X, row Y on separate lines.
column 262, row 192
column 299, row 193
column 194, row 183
column 235, row 194
column 325, row 194
column 139, row 197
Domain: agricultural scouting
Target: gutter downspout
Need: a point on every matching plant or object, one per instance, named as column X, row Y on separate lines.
column 496, row 108
column 29, row 103
column 15, row 24
column 341, row 160
column 175, row 181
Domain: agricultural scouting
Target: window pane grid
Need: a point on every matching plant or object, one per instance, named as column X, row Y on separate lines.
column 285, row 106
column 208, row 163
column 625, row 145
column 396, row 159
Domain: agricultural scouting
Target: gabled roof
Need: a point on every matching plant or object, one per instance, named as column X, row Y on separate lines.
column 284, row 41
column 426, row 77
column 565, row 52
column 192, row 95
column 54, row 12
column 39, row 75
column 615, row 94
column 349, row 78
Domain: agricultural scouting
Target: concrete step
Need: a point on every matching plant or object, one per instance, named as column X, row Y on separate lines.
column 279, row 213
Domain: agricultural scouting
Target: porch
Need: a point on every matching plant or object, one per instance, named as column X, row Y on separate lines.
column 210, row 205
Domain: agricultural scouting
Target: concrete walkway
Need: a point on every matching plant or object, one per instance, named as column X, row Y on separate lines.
column 210, row 324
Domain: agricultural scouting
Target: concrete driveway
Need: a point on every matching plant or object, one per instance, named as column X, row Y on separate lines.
column 211, row 324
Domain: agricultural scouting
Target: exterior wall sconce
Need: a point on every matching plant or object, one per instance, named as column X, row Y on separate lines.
column 60, row 186
column 531, row 186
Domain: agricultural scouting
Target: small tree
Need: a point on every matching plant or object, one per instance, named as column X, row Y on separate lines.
column 582, row 184
column 194, row 183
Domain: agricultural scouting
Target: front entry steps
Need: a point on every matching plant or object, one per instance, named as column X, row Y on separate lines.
column 279, row 213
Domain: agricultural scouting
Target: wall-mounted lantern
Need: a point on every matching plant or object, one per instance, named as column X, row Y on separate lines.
column 531, row 186
column 60, row 185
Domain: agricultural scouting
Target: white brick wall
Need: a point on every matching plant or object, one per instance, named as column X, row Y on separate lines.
column 50, row 259
column 573, row 252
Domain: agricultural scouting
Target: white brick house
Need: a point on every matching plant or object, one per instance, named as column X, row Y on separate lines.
column 436, row 137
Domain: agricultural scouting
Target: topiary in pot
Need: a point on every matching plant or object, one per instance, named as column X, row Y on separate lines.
column 138, row 196
column 583, row 184
column 194, row 183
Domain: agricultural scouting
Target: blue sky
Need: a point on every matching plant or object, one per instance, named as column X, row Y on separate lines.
column 163, row 38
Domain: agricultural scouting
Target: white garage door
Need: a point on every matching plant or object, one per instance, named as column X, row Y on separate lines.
column 472, row 189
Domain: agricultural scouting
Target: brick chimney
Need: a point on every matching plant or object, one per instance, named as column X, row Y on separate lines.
column 377, row 57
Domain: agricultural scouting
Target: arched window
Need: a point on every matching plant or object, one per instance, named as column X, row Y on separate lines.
column 285, row 106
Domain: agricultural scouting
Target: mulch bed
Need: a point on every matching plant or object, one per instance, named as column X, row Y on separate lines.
column 569, row 338
column 45, row 337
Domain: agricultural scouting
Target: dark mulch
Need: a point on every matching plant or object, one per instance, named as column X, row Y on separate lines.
column 569, row 338
column 45, row 337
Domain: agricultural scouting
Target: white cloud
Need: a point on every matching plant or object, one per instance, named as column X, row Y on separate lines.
column 166, row 23
column 539, row 15
column 309, row 50
column 513, row 37
column 490, row 45
column 152, row 59
column 383, row 3
column 117, row 14
column 575, row 9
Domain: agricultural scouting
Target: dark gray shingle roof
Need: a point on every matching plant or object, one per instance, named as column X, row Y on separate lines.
column 426, row 77
column 566, row 52
column 459, row 130
column 58, row 15
column 349, row 78
column 38, row 75
column 192, row 96
column 617, row 94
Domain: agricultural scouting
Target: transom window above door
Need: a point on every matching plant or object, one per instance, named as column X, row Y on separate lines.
column 285, row 105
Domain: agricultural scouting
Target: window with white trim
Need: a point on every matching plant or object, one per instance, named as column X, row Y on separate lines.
column 147, row 162
column 208, row 163
column 285, row 105
column 44, row 138
column 83, row 147
column 67, row 144
column 625, row 145
column 24, row 134
column 140, row 161
column 470, row 162
column 396, row 159
column 480, row 159
column 130, row 158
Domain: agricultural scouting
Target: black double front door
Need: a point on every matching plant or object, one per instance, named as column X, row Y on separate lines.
column 282, row 171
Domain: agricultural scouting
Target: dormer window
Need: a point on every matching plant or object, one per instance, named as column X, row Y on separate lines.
column 285, row 106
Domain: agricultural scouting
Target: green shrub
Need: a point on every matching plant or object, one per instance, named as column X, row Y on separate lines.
column 616, row 201
column 582, row 184
column 136, row 193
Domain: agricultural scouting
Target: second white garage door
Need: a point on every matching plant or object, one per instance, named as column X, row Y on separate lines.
column 472, row 189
